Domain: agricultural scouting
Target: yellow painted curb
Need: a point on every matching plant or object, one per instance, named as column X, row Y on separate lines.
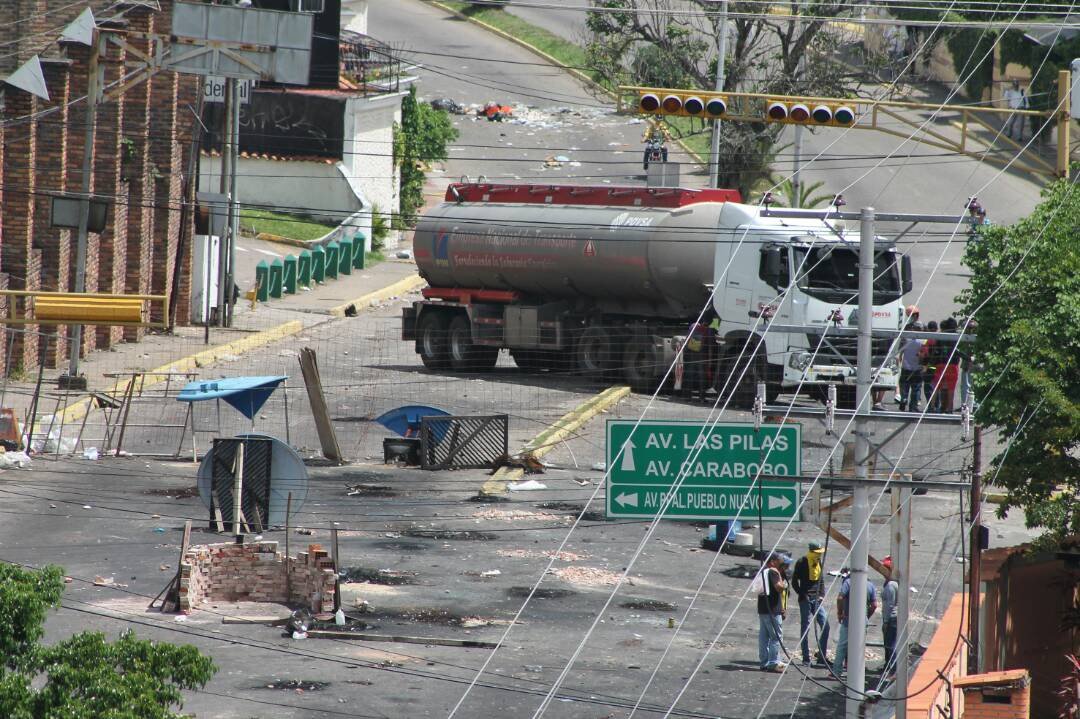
column 76, row 410
column 562, row 429
column 364, row 301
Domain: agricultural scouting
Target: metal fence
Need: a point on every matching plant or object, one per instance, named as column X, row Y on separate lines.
column 463, row 442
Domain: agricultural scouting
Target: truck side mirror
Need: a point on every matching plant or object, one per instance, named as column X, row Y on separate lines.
column 905, row 273
column 774, row 269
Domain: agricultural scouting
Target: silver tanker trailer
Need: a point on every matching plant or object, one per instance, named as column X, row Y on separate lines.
column 606, row 281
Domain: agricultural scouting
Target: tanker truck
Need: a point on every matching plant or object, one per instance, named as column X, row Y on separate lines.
column 605, row 281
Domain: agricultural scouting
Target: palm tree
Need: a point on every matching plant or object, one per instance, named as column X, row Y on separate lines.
column 785, row 193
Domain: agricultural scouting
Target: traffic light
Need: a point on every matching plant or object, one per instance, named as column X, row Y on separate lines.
column 688, row 104
column 809, row 113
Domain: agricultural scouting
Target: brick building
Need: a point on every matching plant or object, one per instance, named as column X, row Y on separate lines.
column 140, row 154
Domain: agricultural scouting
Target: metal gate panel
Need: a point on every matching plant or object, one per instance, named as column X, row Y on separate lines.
column 256, row 490
column 463, row 442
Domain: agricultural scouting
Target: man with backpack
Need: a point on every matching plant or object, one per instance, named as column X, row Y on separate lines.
column 840, row 660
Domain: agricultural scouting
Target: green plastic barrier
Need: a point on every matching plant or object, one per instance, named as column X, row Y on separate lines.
column 345, row 260
column 303, row 269
column 277, row 271
column 262, row 278
column 318, row 264
column 333, row 252
column 288, row 281
column 359, row 255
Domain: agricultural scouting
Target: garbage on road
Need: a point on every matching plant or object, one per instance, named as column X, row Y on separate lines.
column 14, row 460
column 526, row 486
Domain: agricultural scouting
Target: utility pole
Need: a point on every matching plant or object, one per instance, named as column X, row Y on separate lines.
column 93, row 89
column 860, row 508
column 974, row 565
column 796, row 178
column 224, row 164
column 234, row 206
column 721, row 53
column 901, row 572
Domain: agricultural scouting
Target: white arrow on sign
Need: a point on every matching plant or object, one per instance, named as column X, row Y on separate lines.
column 625, row 499
column 628, row 460
column 779, row 502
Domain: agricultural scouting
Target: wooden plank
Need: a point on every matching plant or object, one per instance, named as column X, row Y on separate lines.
column 309, row 366
column 840, row 537
column 399, row 639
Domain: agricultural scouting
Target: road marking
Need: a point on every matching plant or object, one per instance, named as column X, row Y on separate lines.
column 558, row 432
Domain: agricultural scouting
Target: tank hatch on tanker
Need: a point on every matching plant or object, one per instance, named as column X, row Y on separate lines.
column 585, row 195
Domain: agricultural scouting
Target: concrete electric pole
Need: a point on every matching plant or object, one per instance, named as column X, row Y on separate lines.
column 721, row 53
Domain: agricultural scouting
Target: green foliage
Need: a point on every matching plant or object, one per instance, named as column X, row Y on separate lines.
column 380, row 229
column 1026, row 287
column 809, row 197
column 84, row 676
column 295, row 226
column 424, row 135
column 25, row 599
column 973, row 58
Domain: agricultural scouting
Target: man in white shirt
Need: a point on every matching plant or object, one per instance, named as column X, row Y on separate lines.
column 1015, row 99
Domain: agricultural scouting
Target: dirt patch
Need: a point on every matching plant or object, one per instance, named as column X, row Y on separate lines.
column 295, row 685
column 377, row 576
column 649, row 605
column 741, row 571
column 541, row 593
column 545, row 554
column 575, row 508
column 175, row 493
column 587, row 576
column 457, row 534
column 510, row 515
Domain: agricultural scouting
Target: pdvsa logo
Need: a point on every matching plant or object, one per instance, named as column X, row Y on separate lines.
column 625, row 219
column 442, row 247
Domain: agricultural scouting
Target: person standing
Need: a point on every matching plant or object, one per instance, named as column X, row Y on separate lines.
column 696, row 358
column 911, row 370
column 948, row 368
column 889, row 592
column 928, row 355
column 809, row 586
column 770, row 585
column 840, row 660
column 1015, row 99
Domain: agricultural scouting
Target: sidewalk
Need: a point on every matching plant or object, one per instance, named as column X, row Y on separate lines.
column 187, row 351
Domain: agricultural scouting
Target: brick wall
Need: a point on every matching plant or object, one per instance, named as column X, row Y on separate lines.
column 996, row 695
column 256, row 573
column 139, row 153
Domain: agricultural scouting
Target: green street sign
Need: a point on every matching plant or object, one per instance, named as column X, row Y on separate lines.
column 716, row 464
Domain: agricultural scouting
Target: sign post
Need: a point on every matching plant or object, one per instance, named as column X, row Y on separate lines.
column 716, row 463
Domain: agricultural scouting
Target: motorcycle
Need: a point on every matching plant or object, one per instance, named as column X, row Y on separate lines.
column 654, row 152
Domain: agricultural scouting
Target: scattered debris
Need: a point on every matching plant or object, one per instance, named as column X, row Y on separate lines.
column 587, row 576
column 108, row 582
column 295, row 685
column 90, row 453
column 540, row 593
column 526, row 486
column 449, row 534
column 486, row 574
column 527, row 461
column 546, row 554
column 305, row 532
column 447, row 105
column 389, row 577
column 599, row 467
column 649, row 605
column 509, row 515
column 370, row 490
column 14, row 460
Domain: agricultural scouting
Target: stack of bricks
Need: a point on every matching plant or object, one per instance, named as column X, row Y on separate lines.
column 256, row 573
column 996, row 695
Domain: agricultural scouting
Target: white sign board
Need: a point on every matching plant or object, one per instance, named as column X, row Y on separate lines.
column 1074, row 94
column 214, row 89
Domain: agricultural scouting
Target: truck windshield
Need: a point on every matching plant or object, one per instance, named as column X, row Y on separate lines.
column 832, row 274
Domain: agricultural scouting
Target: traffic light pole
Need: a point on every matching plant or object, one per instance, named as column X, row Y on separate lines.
column 860, row 507
column 721, row 53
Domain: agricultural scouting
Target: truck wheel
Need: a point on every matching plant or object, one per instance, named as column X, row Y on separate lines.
column 745, row 391
column 431, row 340
column 641, row 365
column 465, row 356
column 594, row 352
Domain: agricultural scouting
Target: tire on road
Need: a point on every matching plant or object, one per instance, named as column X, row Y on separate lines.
column 464, row 354
column 594, row 356
column 432, row 341
column 642, row 365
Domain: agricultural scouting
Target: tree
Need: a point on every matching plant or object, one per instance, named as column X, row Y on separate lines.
column 1025, row 296
column 672, row 43
column 83, row 676
column 785, row 193
column 421, row 139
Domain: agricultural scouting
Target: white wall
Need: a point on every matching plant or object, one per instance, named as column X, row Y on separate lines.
column 315, row 188
column 354, row 15
column 368, row 156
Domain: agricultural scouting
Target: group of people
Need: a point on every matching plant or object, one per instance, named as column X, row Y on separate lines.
column 932, row 369
column 773, row 583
